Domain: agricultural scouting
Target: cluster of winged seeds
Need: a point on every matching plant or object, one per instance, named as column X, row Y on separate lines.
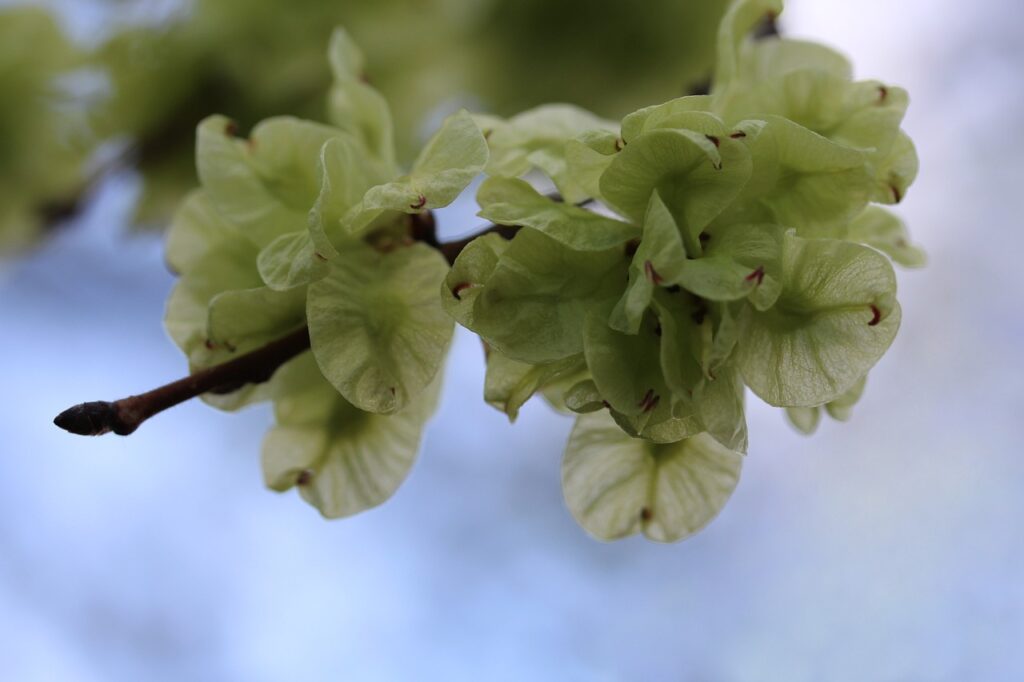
column 307, row 224
column 740, row 247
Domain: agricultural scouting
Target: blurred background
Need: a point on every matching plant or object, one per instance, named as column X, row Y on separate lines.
column 888, row 548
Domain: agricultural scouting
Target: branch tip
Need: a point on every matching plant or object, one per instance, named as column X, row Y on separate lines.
column 93, row 419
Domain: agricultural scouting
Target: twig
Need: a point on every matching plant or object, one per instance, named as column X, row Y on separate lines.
column 124, row 416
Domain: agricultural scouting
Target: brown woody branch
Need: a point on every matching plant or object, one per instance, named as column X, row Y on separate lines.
column 124, row 416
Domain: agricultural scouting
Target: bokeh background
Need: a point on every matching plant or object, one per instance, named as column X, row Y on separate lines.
column 888, row 548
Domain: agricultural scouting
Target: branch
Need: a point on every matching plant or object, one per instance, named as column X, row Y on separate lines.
column 125, row 415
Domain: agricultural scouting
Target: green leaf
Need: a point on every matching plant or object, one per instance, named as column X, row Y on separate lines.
column 871, row 117
column 242, row 320
column 510, row 201
column 682, row 322
column 228, row 266
column 547, row 127
column 807, row 181
column 772, row 57
column 196, row 229
column 587, row 157
column 346, row 172
column 616, row 486
column 660, row 157
column 346, row 59
column 841, row 409
column 835, row 318
column 884, row 231
column 895, row 173
column 669, row 430
column 265, row 185
column 555, row 164
column 455, row 155
column 739, row 20
column 576, row 166
column 377, row 329
column 804, row 419
column 810, row 98
column 354, row 106
column 627, row 370
column 528, row 298
column 665, row 115
column 509, row 384
column 556, row 392
column 725, row 334
column 583, row 397
column 722, row 411
column 626, row 367
column 473, row 267
column 659, row 260
column 343, row 460
column 290, row 261
column 739, row 260
column 864, row 115
column 695, row 177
